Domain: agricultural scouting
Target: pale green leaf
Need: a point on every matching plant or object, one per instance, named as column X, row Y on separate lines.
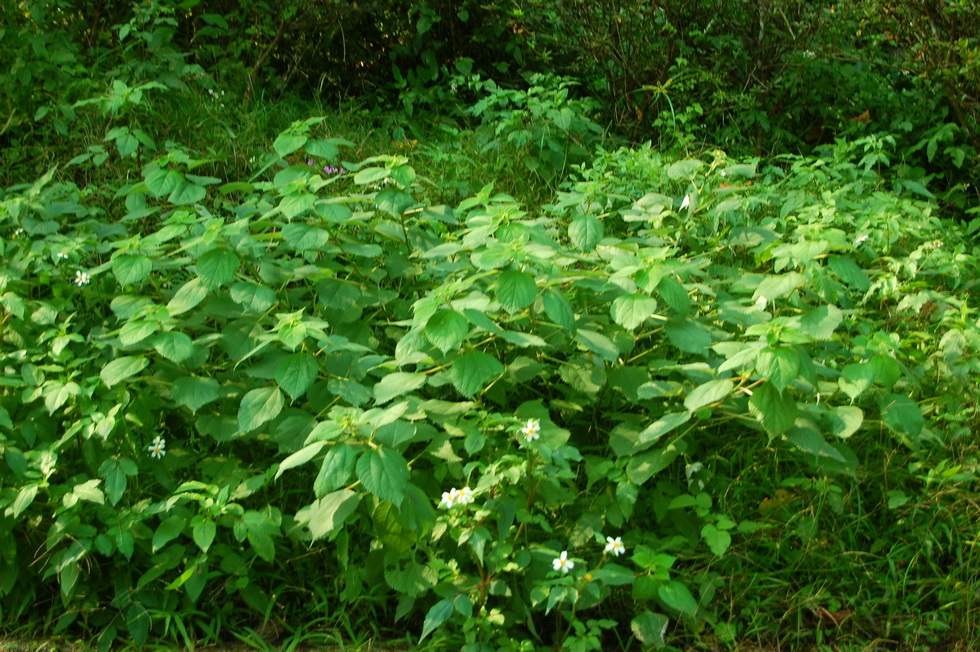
column 259, row 406
column 383, row 472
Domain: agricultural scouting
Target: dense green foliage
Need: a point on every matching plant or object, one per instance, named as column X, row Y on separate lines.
column 469, row 363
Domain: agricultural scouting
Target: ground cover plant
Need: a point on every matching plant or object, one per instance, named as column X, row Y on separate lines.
column 283, row 373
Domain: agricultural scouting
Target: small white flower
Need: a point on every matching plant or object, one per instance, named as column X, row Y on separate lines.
column 61, row 256
column 860, row 240
column 465, row 496
column 531, row 430
column 723, row 173
column 686, row 202
column 808, row 54
column 18, row 233
column 156, row 449
column 81, row 278
column 761, row 303
column 449, row 498
column 563, row 563
column 615, row 546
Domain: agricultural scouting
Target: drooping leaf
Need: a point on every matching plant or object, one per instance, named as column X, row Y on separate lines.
column 809, row 440
column 131, row 269
column 383, row 472
column 259, row 406
column 631, row 310
column 295, row 373
column 902, row 415
column 122, row 368
column 174, row 346
column 774, row 409
column 780, row 364
column 662, row 426
column 396, row 384
column 324, row 516
column 194, row 392
column 707, row 393
column 677, row 596
column 471, row 372
column 515, row 290
column 437, row 615
column 446, row 329
column 688, row 336
column 559, row 310
column 650, row 628
column 189, row 295
column 585, row 232
column 217, row 267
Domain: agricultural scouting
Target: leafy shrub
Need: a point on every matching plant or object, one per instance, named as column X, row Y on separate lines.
column 311, row 380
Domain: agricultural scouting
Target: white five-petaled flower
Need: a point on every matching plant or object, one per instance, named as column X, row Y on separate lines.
column 61, row 256
column 686, row 202
column 615, row 546
column 455, row 497
column 81, row 278
column 563, row 563
column 860, row 240
column 157, row 448
column 531, row 430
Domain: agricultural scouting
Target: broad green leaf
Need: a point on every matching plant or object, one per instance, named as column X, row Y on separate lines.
column 203, row 531
column 674, row 294
column 776, row 287
column 335, row 470
column 446, row 329
column 115, row 472
column 300, row 457
column 287, row 143
column 367, row 176
column 471, row 372
column 397, row 383
column 326, row 149
column 383, row 472
column 612, row 574
column 515, row 290
column 821, row 322
column 886, row 370
column 122, row 368
column 303, row 237
column 174, row 346
column 162, row 182
column 644, row 466
column 324, row 516
column 437, row 615
column 295, row 373
column 217, row 267
column 404, row 175
column 292, row 205
column 193, row 392
column 780, row 364
column 718, row 540
column 89, row 490
column 24, row 499
column 189, row 295
column 809, row 440
column 710, row 392
column 662, row 426
column 187, row 193
column 856, row 378
column 677, row 596
column 167, row 531
column 902, row 415
column 774, row 409
column 393, row 202
column 650, row 628
column 845, row 420
column 585, row 232
column 849, row 272
column 259, row 406
column 684, row 169
column 252, row 297
column 597, row 343
column 130, row 269
column 559, row 310
column 631, row 310
column 415, row 579
column 138, row 623
column 137, row 330
column 688, row 336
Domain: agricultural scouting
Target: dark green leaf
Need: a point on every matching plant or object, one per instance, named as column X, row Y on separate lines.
column 384, row 473
column 515, row 290
column 259, row 406
column 471, row 372
column 774, row 409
